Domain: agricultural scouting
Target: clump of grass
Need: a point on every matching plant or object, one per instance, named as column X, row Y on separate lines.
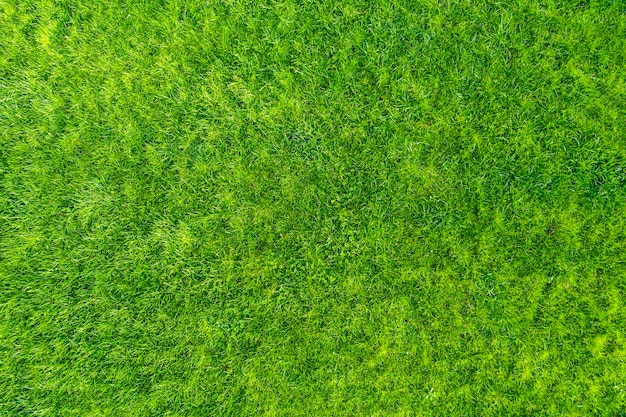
column 271, row 208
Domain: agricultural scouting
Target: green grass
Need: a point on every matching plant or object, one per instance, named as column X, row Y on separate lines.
column 324, row 208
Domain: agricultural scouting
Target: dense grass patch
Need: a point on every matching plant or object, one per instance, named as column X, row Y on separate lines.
column 355, row 208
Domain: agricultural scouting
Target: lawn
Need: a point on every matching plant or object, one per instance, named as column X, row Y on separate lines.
column 322, row 208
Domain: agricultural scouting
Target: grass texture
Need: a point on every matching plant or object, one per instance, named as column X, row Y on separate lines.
column 322, row 208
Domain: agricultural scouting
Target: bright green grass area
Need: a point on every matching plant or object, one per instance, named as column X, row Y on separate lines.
column 327, row 208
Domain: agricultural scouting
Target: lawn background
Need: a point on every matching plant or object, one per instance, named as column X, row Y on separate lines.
column 342, row 208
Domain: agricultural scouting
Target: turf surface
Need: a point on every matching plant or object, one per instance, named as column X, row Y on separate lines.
column 271, row 208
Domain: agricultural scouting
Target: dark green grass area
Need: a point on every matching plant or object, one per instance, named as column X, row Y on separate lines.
column 324, row 208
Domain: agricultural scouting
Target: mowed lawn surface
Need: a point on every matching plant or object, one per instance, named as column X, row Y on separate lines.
column 323, row 208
